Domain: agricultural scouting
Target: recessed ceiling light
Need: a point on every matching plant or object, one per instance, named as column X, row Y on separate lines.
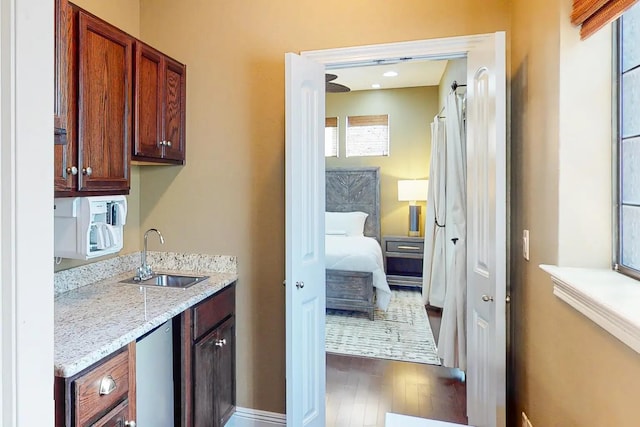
column 390, row 74
column 376, row 85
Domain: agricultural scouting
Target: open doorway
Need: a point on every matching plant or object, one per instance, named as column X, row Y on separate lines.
column 367, row 354
column 486, row 188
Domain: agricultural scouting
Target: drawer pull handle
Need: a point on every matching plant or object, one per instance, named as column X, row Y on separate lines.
column 107, row 385
column 221, row 342
column 413, row 248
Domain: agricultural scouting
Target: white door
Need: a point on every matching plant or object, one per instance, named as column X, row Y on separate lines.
column 304, row 229
column 486, row 232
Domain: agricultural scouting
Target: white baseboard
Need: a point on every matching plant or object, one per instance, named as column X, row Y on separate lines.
column 245, row 417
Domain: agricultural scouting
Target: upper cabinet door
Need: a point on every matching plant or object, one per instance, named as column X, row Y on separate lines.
column 174, row 109
column 65, row 164
column 105, row 56
column 148, row 140
column 159, row 120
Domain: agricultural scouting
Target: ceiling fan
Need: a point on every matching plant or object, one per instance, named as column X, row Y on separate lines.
column 332, row 87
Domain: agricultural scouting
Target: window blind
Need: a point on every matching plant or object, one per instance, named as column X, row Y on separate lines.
column 368, row 135
column 591, row 15
column 331, row 137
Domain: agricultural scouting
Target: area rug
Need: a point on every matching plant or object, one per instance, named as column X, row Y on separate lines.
column 401, row 333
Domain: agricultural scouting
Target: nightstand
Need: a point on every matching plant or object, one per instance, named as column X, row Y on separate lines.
column 403, row 260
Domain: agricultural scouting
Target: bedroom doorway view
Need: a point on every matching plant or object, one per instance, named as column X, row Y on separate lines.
column 384, row 313
column 481, row 267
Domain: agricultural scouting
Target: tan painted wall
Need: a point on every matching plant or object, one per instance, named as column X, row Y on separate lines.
column 567, row 370
column 456, row 70
column 124, row 14
column 229, row 198
column 410, row 112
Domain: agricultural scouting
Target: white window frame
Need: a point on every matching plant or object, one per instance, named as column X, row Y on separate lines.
column 351, row 136
column 618, row 113
column 329, row 152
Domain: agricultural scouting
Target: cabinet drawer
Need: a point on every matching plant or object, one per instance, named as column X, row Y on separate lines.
column 89, row 403
column 405, row 247
column 212, row 311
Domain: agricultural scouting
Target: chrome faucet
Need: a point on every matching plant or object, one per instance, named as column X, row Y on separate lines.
column 144, row 271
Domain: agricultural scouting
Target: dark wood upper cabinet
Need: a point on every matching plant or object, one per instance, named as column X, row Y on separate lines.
column 65, row 165
column 105, row 74
column 112, row 103
column 159, row 107
column 93, row 104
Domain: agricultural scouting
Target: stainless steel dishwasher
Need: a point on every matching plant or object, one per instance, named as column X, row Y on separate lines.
column 154, row 378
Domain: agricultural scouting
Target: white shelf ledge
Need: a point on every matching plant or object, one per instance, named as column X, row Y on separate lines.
column 610, row 299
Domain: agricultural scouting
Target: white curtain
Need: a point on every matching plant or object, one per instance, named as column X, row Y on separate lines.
column 434, row 277
column 452, row 343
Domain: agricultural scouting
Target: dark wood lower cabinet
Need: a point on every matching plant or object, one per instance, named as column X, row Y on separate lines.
column 213, row 376
column 116, row 418
column 81, row 402
column 204, row 374
column 208, row 372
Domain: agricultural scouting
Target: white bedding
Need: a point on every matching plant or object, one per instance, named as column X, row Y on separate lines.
column 359, row 253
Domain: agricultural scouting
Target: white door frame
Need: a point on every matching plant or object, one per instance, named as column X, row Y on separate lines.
column 26, row 213
column 443, row 48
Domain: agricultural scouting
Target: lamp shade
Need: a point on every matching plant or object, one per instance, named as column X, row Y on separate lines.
column 412, row 190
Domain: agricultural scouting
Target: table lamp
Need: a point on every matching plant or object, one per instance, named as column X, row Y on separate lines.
column 412, row 191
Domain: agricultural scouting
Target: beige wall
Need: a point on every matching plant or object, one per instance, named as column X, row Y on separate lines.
column 124, row 14
column 410, row 112
column 567, row 370
column 456, row 70
column 229, row 198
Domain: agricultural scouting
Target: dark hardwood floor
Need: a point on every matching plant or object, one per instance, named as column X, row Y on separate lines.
column 360, row 391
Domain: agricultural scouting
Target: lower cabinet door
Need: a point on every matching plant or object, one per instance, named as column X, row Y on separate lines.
column 117, row 417
column 225, row 369
column 214, row 376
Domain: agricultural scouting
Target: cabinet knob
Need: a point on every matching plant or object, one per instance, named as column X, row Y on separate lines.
column 87, row 171
column 161, row 143
column 168, row 143
column 221, row 342
column 72, row 170
column 487, row 298
column 299, row 285
column 107, row 385
column 129, row 424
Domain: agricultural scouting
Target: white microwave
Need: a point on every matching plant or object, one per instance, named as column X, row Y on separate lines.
column 89, row 227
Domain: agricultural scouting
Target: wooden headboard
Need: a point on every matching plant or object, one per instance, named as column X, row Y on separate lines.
column 355, row 189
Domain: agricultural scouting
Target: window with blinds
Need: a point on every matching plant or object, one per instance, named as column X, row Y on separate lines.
column 628, row 142
column 591, row 15
column 367, row 135
column 331, row 137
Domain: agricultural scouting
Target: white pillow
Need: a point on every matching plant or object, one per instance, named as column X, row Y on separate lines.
column 351, row 223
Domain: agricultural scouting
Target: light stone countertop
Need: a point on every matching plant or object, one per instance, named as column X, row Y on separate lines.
column 94, row 320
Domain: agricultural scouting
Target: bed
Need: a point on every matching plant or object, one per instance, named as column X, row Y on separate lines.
column 355, row 274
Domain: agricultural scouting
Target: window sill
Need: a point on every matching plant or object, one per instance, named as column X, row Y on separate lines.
column 608, row 298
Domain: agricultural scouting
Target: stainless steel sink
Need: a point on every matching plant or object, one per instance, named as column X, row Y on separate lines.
column 167, row 281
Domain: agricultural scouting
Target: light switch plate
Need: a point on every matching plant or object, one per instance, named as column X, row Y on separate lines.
column 525, row 244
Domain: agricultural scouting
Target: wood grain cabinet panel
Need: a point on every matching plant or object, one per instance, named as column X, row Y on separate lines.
column 214, row 376
column 160, row 84
column 80, row 400
column 116, row 418
column 208, row 373
column 93, row 104
column 64, row 100
column 104, row 105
